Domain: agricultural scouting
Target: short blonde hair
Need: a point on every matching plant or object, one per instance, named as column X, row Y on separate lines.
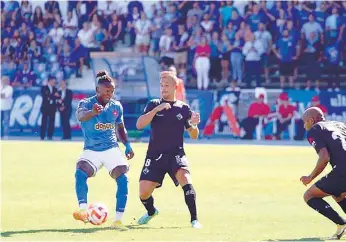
column 169, row 74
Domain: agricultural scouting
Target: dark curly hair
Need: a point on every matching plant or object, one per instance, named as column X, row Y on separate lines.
column 103, row 76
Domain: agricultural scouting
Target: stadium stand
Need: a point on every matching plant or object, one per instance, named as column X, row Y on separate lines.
column 57, row 37
column 222, row 45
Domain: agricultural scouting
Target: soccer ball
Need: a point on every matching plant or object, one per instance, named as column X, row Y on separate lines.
column 97, row 213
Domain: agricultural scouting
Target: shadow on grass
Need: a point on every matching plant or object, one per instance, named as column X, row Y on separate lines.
column 81, row 231
column 299, row 239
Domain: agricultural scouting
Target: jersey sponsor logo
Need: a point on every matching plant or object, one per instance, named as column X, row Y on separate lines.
column 106, row 126
column 179, row 116
column 159, row 115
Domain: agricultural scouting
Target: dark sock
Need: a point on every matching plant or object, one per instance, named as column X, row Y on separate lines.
column 190, row 200
column 342, row 204
column 149, row 205
column 325, row 209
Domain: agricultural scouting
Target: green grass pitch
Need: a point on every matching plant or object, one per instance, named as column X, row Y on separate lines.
column 244, row 193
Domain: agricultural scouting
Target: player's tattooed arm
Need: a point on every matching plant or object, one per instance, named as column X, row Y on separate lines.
column 85, row 115
column 123, row 137
column 323, row 159
column 145, row 119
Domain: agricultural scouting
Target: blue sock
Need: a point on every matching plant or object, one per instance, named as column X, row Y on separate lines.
column 81, row 186
column 122, row 192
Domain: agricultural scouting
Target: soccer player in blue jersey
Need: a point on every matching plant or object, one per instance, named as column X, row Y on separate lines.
column 168, row 118
column 101, row 119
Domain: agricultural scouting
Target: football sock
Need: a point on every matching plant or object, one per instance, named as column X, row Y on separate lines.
column 190, row 200
column 81, row 188
column 121, row 196
column 118, row 216
column 325, row 209
column 342, row 204
column 149, row 205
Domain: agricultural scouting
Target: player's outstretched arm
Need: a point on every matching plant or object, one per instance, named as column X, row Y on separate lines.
column 123, row 137
column 323, row 159
column 85, row 115
column 145, row 119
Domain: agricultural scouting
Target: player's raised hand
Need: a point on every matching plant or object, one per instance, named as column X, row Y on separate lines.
column 305, row 180
column 195, row 118
column 97, row 108
column 163, row 106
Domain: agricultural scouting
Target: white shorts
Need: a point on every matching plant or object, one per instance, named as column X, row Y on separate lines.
column 109, row 158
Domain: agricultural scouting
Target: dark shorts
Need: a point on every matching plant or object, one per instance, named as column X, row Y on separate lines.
column 286, row 68
column 156, row 167
column 226, row 56
column 264, row 60
column 333, row 183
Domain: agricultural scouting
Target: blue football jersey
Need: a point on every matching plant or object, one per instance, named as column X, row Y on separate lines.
column 99, row 132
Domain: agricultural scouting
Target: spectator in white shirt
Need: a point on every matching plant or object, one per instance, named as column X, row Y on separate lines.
column 26, row 9
column 6, row 105
column 312, row 28
column 265, row 37
column 86, row 36
column 166, row 48
column 207, row 25
column 196, row 10
column 70, row 25
column 253, row 50
column 107, row 8
column 142, row 28
column 94, row 22
column 334, row 25
column 57, row 33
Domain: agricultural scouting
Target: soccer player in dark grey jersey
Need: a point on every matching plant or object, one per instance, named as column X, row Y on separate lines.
column 168, row 118
column 329, row 140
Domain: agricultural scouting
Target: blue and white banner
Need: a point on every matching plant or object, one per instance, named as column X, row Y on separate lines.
column 301, row 98
column 202, row 102
column 25, row 118
column 335, row 103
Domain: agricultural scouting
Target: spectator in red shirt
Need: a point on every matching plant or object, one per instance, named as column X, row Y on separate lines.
column 256, row 110
column 315, row 102
column 286, row 112
column 202, row 64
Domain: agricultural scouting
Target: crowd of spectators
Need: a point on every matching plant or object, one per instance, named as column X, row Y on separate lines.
column 217, row 42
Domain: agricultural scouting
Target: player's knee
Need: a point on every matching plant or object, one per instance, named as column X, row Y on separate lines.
column 86, row 168
column 307, row 196
column 183, row 177
column 118, row 171
column 122, row 182
column 144, row 193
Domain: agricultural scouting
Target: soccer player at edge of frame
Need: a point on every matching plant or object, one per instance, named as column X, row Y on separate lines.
column 168, row 118
column 329, row 140
column 101, row 119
